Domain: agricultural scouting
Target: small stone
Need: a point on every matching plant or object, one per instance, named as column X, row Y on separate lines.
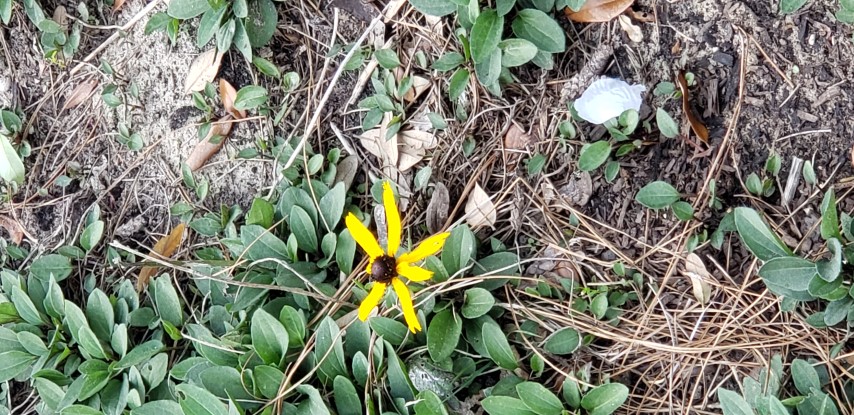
column 723, row 58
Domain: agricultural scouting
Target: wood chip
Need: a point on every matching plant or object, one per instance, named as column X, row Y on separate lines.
column 164, row 248
column 594, row 11
column 203, row 70
column 480, row 211
column 806, row 116
column 212, row 143
column 437, row 209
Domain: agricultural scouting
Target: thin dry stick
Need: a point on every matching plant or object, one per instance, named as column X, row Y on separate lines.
column 768, row 59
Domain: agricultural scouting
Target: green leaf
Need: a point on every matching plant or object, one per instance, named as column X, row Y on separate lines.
column 90, row 343
column 92, row 235
column 186, row 9
column 261, row 21
column 13, row 363
column 829, row 216
column 332, row 205
column 5, row 11
column 99, row 313
column 8, row 314
column 458, row 83
column 225, row 382
column 225, row 35
column 605, row 399
column 563, row 341
column 477, row 302
column 346, row 399
column 389, row 329
column 756, row 235
column 399, row 383
column 240, row 8
column 818, row 403
column 32, row 343
column 269, row 337
column 11, row 167
column 157, row 408
column 241, row 39
column 539, row 399
column 428, row 403
column 74, row 319
column 57, row 265
column 261, row 213
column 25, row 307
column 345, row 251
column 809, row 173
column 666, row 124
column 436, row 8
column 791, row 273
column 443, row 334
column 805, row 376
column 294, row 324
column 657, row 195
column 250, row 96
column 328, row 337
column 599, row 305
column 683, row 210
column 498, row 348
column 458, row 249
column 79, row 410
column 733, row 404
column 516, row 52
column 197, row 401
column 540, row 29
column 505, row 405
column 791, row 6
column 593, row 155
column 489, row 70
column 776, row 407
column 485, row 35
column 571, row 393
column 829, row 269
column 845, row 16
column 387, row 58
column 266, row 67
column 268, row 379
column 167, row 302
column 303, row 229
column 504, row 6
column 261, row 244
column 448, row 61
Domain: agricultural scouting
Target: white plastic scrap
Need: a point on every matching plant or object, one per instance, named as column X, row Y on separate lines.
column 607, row 98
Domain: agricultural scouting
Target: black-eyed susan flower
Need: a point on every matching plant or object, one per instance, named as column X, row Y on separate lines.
column 385, row 267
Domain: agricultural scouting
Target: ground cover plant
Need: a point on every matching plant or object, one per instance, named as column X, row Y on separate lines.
column 426, row 207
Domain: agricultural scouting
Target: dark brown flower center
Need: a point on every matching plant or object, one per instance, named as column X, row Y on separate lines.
column 384, row 269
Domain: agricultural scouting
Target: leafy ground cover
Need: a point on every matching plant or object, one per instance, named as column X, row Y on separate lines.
column 252, row 206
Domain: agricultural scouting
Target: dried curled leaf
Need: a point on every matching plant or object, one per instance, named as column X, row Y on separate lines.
column 227, row 94
column 80, row 93
column 165, row 247
column 15, row 230
column 595, row 11
column 117, row 5
column 403, row 150
column 694, row 120
column 632, row 30
column 214, row 141
column 203, row 70
column 437, row 209
column 516, row 138
column 696, row 271
column 419, row 85
column 480, row 211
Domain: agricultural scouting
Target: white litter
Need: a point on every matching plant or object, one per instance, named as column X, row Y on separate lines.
column 607, row 98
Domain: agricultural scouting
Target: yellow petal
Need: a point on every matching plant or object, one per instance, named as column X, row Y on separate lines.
column 413, row 273
column 363, row 236
column 426, row 248
column 392, row 216
column 406, row 304
column 371, row 301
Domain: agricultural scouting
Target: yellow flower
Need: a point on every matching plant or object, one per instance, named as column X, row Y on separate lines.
column 385, row 267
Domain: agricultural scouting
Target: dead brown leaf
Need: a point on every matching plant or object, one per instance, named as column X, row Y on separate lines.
column 480, row 211
column 80, row 93
column 696, row 124
column 437, row 209
column 632, row 30
column 696, row 271
column 419, row 85
column 165, row 247
column 214, row 141
column 595, row 11
column 516, row 138
column 402, row 151
column 203, row 70
column 640, row 16
column 13, row 228
column 117, row 5
column 228, row 94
